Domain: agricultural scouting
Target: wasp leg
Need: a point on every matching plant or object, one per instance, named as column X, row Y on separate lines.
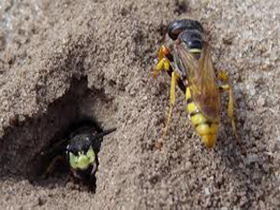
column 51, row 166
column 230, row 107
column 172, row 99
column 163, row 62
column 226, row 87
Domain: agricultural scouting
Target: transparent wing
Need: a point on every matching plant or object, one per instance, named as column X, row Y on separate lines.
column 201, row 80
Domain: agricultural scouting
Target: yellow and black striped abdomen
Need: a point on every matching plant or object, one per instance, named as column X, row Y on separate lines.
column 204, row 127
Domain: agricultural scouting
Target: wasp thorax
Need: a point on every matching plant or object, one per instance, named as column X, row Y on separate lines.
column 192, row 38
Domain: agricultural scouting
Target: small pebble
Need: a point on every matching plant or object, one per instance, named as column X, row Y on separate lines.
column 207, row 191
column 260, row 102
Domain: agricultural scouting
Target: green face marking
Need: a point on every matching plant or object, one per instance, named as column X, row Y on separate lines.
column 83, row 160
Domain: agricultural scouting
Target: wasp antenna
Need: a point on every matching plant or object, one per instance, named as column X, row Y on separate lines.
column 104, row 133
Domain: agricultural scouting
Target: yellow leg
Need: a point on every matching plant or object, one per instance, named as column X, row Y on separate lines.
column 226, row 87
column 163, row 62
column 230, row 106
column 161, row 52
column 172, row 99
column 222, row 75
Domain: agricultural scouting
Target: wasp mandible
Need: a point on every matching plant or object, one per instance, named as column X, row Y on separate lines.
column 186, row 56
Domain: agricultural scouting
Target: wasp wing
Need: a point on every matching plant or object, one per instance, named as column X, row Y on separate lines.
column 201, row 80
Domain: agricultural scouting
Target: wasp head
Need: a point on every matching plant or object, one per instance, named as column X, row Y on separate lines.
column 176, row 27
column 80, row 153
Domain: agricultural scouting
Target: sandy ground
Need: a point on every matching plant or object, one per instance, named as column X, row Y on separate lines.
column 61, row 61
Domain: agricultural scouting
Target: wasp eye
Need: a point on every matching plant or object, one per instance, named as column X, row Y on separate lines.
column 174, row 29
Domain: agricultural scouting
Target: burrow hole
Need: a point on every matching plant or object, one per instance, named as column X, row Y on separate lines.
column 29, row 147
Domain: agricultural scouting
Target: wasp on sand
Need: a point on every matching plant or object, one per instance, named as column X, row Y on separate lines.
column 186, row 56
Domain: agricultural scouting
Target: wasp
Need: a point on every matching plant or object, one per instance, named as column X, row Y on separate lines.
column 80, row 150
column 186, row 56
column 81, row 153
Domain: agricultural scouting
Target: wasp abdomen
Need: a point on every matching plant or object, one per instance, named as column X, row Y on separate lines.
column 203, row 126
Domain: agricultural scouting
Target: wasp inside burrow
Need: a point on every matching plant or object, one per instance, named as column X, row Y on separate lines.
column 77, row 152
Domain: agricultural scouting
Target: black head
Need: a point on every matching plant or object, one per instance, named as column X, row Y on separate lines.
column 79, row 143
column 176, row 27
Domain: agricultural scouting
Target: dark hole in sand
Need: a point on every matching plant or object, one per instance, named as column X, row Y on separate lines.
column 22, row 148
column 60, row 172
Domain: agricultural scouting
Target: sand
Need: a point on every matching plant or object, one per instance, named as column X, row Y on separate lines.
column 62, row 61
